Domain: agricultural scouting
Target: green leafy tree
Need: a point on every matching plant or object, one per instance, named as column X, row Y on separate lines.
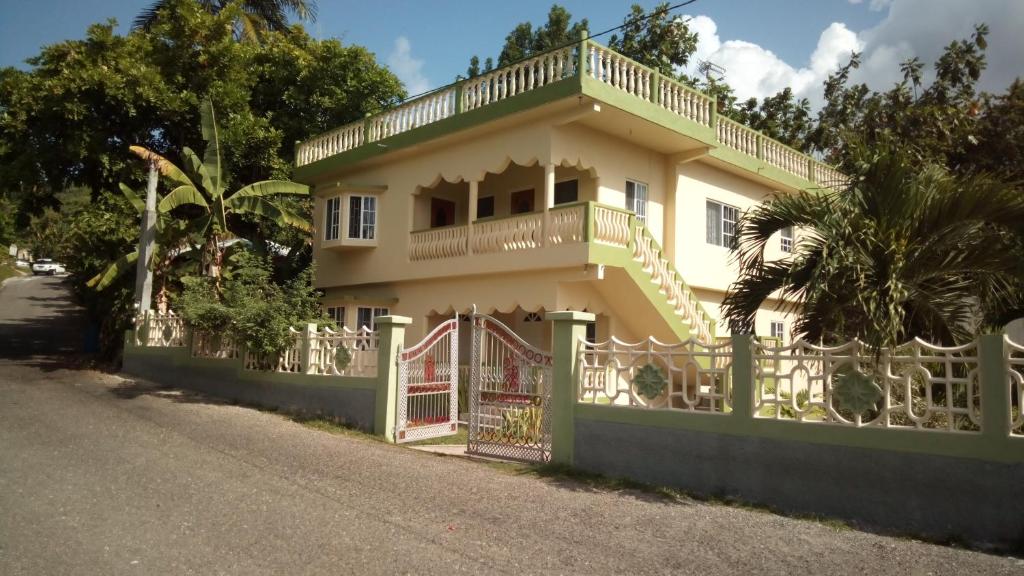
column 938, row 123
column 254, row 19
column 251, row 306
column 782, row 117
column 905, row 250
column 524, row 40
column 208, row 206
column 659, row 39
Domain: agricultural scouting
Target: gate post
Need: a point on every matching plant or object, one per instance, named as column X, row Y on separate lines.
column 391, row 335
column 570, row 330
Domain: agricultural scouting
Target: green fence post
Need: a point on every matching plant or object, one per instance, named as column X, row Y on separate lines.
column 655, row 86
column 713, row 117
column 391, row 335
column 743, row 376
column 810, row 170
column 994, row 384
column 366, row 128
column 570, row 330
column 760, row 147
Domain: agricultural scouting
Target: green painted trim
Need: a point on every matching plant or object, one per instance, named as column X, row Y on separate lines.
column 972, row 446
column 570, row 328
column 647, row 110
column 564, row 88
column 742, row 400
column 181, row 356
column 391, row 334
column 995, row 391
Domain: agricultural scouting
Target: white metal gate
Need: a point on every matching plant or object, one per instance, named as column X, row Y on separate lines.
column 509, row 394
column 428, row 386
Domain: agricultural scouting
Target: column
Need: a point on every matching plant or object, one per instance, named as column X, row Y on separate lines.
column 474, row 195
column 549, row 197
column 570, row 330
column 391, row 331
column 742, row 376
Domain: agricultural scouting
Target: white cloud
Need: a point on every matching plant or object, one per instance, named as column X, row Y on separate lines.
column 910, row 28
column 754, row 71
column 408, row 69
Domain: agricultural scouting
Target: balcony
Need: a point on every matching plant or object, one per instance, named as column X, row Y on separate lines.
column 586, row 68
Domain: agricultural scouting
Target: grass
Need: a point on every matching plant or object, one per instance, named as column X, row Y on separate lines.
column 7, row 268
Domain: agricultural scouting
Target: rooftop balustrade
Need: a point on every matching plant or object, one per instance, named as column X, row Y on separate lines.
column 586, row 58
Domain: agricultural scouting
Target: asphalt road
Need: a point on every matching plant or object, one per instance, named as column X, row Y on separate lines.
column 101, row 475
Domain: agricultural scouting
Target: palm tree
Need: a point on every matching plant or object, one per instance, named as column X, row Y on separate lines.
column 208, row 205
column 901, row 250
column 256, row 16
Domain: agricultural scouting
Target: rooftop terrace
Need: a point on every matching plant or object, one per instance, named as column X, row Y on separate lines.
column 586, row 67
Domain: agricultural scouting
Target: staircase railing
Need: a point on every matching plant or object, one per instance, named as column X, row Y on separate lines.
column 648, row 253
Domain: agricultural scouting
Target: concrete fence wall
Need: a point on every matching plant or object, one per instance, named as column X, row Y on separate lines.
column 367, row 403
column 937, row 484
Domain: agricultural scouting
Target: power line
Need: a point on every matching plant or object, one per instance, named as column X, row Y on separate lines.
column 665, row 10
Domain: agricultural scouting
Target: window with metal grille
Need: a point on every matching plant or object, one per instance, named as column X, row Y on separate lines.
column 332, row 218
column 721, row 220
column 337, row 313
column 636, row 199
column 366, row 316
column 532, row 317
column 787, row 239
column 362, row 217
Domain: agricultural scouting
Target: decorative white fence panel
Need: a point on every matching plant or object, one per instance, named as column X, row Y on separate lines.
column 509, row 395
column 1015, row 377
column 917, row 385
column 688, row 376
column 343, row 353
column 206, row 345
column 428, row 386
column 164, row 330
column 289, row 361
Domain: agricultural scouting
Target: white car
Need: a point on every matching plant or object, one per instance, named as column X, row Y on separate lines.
column 47, row 266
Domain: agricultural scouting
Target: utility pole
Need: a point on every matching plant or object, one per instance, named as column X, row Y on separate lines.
column 147, row 240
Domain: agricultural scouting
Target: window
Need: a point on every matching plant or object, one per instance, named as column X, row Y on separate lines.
column 778, row 329
column 592, row 332
column 362, row 217
column 532, row 317
column 366, row 316
column 485, row 207
column 442, row 212
column 568, row 191
column 332, row 218
column 722, row 223
column 337, row 313
column 636, row 199
column 787, row 239
column 522, row 201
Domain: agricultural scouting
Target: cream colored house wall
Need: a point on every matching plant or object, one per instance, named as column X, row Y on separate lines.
column 615, row 161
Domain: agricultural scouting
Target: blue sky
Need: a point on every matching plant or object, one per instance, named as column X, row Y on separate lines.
column 764, row 45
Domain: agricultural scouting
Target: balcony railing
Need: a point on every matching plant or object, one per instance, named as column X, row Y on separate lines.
column 596, row 62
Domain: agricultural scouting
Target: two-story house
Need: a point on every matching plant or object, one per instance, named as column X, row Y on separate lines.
column 576, row 180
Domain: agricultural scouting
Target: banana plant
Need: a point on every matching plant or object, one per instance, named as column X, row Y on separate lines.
column 209, row 199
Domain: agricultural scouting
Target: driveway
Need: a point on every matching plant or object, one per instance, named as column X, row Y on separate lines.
column 102, row 475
